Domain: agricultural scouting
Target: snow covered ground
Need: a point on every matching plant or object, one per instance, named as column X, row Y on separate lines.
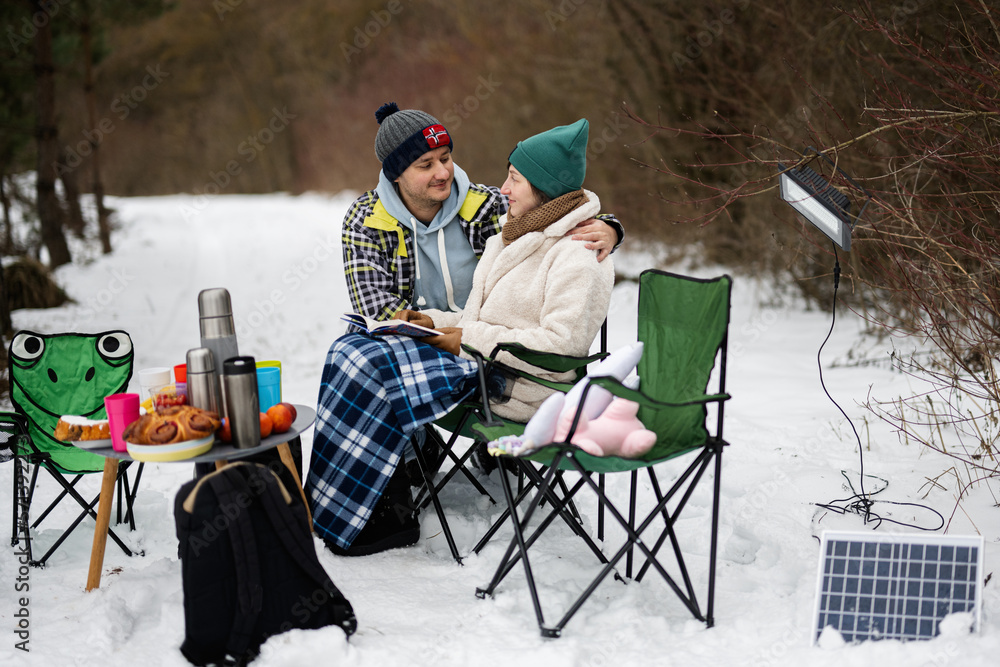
column 279, row 256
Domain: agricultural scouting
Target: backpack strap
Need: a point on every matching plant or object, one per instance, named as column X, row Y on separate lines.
column 298, row 542
column 228, row 485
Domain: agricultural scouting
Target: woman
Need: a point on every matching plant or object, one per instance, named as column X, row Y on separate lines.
column 532, row 286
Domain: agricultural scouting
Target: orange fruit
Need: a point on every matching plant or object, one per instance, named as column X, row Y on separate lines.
column 281, row 417
column 291, row 408
column 266, row 425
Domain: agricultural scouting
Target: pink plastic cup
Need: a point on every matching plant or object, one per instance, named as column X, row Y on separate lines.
column 122, row 409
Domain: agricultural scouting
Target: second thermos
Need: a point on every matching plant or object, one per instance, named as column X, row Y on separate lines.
column 203, row 380
column 240, row 397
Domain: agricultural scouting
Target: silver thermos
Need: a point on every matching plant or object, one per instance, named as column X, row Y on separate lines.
column 239, row 393
column 203, row 380
column 218, row 332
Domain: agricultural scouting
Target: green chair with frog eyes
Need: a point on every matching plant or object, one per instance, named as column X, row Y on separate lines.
column 52, row 375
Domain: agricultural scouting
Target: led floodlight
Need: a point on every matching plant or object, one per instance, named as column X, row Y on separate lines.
column 819, row 202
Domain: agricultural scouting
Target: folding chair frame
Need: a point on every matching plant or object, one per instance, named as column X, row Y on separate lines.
column 23, row 494
column 683, row 487
column 564, row 459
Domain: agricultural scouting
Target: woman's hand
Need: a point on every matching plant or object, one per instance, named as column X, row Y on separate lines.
column 450, row 340
column 414, row 317
column 599, row 235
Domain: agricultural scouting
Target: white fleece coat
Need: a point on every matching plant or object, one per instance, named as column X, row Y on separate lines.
column 544, row 291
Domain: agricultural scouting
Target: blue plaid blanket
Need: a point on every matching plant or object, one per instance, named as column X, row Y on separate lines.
column 374, row 394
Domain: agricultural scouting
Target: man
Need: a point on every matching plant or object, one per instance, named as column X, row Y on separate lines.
column 413, row 242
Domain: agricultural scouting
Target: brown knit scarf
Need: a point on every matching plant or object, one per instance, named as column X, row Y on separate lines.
column 542, row 216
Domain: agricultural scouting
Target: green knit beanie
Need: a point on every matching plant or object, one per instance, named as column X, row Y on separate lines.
column 554, row 161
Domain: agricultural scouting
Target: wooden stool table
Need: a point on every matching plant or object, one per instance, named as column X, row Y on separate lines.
column 220, row 454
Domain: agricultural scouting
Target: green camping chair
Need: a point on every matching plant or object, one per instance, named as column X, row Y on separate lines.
column 683, row 324
column 52, row 375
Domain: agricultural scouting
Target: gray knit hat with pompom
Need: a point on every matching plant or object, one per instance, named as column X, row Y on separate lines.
column 404, row 135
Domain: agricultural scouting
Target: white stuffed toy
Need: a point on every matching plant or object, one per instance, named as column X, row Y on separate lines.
column 608, row 426
column 617, row 365
column 616, row 432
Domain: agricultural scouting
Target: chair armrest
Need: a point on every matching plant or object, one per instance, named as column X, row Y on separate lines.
column 16, row 419
column 550, row 361
column 15, row 426
column 616, row 388
column 482, row 367
column 620, row 390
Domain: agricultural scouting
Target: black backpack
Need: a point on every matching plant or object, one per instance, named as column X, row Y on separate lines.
column 249, row 565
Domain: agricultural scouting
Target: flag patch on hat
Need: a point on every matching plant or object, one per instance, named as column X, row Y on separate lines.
column 436, row 136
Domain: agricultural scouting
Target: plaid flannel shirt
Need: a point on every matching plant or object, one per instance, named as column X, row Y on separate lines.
column 379, row 254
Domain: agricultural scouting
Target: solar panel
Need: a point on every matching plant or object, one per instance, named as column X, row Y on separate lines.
column 891, row 586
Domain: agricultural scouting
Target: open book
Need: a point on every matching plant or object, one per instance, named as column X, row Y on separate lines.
column 388, row 327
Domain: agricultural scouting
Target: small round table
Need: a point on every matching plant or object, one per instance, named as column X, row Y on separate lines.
column 220, row 454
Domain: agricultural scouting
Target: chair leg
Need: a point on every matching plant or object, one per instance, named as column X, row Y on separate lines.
column 600, row 508
column 58, row 499
column 697, row 469
column 458, row 465
column 122, row 477
column 22, row 500
column 432, row 492
column 571, row 505
column 130, row 501
column 16, row 495
column 518, row 541
column 127, row 493
column 522, row 492
column 713, row 550
column 544, row 485
column 529, row 478
column 634, row 538
column 571, row 518
column 668, row 533
column 88, row 509
column 681, row 491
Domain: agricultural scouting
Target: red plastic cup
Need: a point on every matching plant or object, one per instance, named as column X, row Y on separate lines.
column 181, row 373
column 122, row 409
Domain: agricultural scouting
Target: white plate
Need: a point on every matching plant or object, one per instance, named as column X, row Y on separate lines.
column 91, row 444
column 176, row 451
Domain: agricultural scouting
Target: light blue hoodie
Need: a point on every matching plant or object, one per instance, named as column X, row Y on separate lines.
column 444, row 259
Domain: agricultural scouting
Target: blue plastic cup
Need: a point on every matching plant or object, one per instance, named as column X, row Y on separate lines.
column 268, row 386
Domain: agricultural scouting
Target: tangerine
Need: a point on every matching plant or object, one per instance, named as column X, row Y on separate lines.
column 281, row 417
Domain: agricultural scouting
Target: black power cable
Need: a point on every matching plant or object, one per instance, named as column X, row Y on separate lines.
column 859, row 502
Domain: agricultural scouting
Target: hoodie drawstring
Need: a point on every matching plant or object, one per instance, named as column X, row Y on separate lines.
column 445, row 273
column 421, row 301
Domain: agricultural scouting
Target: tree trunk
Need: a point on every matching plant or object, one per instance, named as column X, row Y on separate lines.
column 8, row 224
column 47, row 138
column 71, row 189
column 103, row 213
column 6, row 326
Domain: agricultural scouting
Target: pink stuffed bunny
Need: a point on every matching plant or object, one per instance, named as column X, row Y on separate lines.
column 616, row 432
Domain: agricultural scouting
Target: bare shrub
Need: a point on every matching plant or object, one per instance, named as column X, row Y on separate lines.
column 924, row 260
column 29, row 285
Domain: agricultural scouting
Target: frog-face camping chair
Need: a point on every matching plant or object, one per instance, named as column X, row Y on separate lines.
column 683, row 324
column 442, row 437
column 52, row 375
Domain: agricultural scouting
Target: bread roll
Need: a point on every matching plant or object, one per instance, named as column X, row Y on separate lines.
column 177, row 423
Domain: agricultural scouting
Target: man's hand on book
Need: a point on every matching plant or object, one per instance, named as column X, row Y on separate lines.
column 414, row 317
column 450, row 339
